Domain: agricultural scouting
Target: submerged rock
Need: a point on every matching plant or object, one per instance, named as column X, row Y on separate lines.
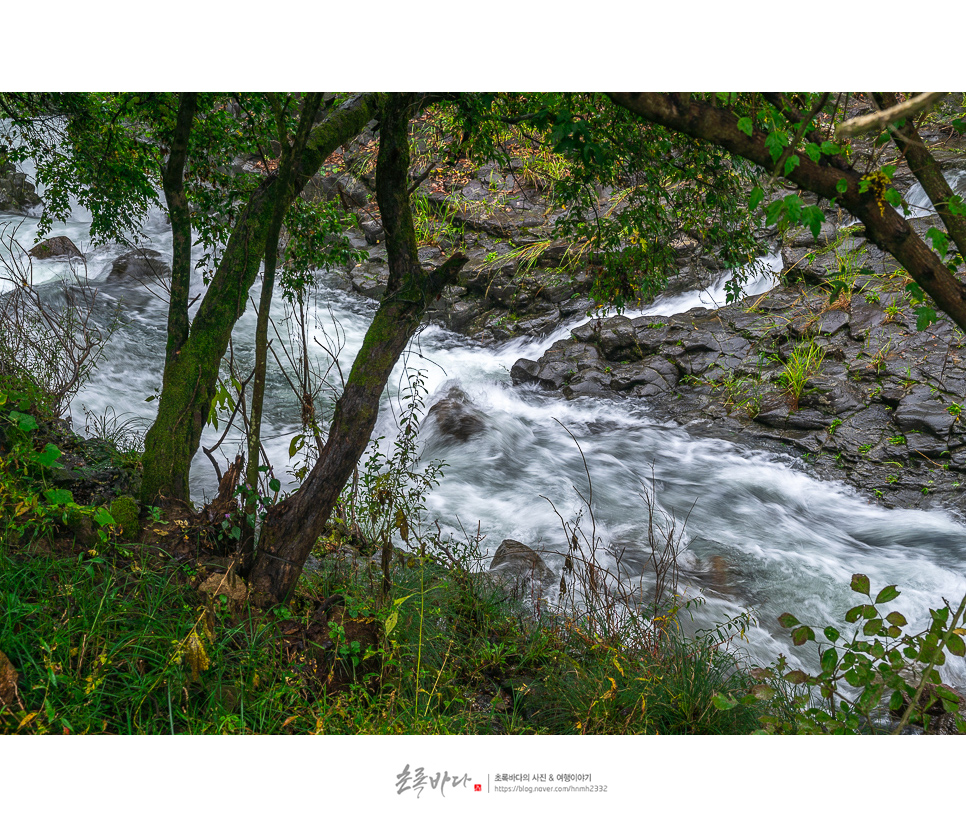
column 139, row 265
column 456, row 416
column 56, row 247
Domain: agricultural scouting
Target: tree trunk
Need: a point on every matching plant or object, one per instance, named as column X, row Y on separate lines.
column 191, row 373
column 291, row 156
column 292, row 527
column 883, row 224
column 180, row 214
column 925, row 169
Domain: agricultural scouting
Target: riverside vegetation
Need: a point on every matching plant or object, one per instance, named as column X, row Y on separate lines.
column 123, row 616
column 119, row 624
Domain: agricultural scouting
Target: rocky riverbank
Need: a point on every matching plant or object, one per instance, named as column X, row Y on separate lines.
column 846, row 384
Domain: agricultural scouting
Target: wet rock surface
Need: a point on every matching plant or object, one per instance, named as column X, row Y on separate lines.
column 142, row 265
column 56, row 247
column 17, row 194
column 879, row 406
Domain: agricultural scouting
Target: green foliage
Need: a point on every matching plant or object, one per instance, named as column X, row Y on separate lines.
column 877, row 669
column 802, row 364
column 663, row 185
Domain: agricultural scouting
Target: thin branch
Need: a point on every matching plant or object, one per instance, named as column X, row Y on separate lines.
column 877, row 121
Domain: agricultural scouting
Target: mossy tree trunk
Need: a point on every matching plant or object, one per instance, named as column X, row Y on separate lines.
column 191, row 371
column 292, row 527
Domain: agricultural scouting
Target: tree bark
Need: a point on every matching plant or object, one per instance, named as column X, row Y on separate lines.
column 884, row 226
column 191, row 373
column 290, row 159
column 292, row 527
column 925, row 169
column 178, row 210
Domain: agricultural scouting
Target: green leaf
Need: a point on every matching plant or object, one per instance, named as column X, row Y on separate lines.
column 939, row 240
column 860, row 583
column 774, row 212
column 775, row 142
column 745, row 125
column 813, row 216
column 57, row 497
column 802, row 635
column 797, row 677
column 793, row 207
column 955, row 645
column 25, row 422
column 932, row 654
column 755, row 198
column 297, row 443
column 872, row 627
column 813, row 151
column 948, row 697
column 791, row 164
column 887, row 594
column 48, row 456
column 896, row 701
column 274, row 484
column 723, row 702
column 924, row 317
column 103, row 518
column 831, row 633
column 787, row 621
column 830, row 659
column 831, row 148
column 842, row 185
column 853, row 614
column 893, row 196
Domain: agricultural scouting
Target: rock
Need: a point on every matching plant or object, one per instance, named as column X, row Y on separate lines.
column 56, row 247
column 880, row 411
column 521, row 570
column 345, row 187
column 456, row 416
column 139, row 265
column 373, row 231
column 17, row 195
column 920, row 411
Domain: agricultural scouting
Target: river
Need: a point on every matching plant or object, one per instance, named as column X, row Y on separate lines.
column 760, row 535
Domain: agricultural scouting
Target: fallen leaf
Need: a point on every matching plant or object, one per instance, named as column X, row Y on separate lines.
column 8, row 683
column 231, row 585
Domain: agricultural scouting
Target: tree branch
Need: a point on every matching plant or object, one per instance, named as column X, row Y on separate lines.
column 877, row 121
column 883, row 225
column 925, row 168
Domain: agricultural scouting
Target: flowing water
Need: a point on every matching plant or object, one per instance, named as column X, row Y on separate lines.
column 761, row 535
column 921, row 206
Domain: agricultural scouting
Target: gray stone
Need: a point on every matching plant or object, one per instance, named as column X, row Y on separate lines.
column 139, row 265
column 56, row 247
column 521, row 571
column 456, row 416
column 919, row 410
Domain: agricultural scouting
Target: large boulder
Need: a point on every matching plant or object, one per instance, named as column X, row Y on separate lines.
column 456, row 416
column 521, row 571
column 139, row 265
column 56, row 247
column 17, row 195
